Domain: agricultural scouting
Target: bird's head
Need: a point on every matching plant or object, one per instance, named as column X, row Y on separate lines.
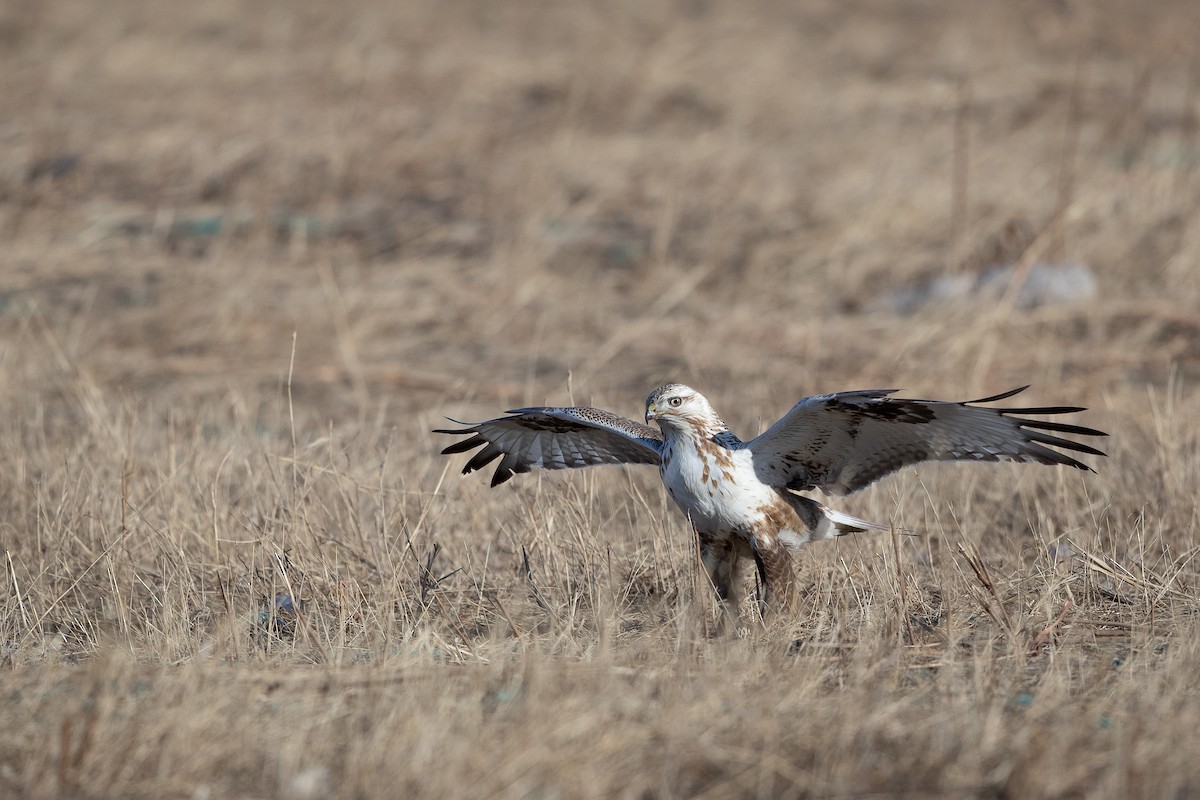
column 678, row 408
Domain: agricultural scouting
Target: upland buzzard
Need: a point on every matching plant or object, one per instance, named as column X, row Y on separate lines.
column 741, row 497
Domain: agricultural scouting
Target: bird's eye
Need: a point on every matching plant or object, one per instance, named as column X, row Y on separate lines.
column 675, row 402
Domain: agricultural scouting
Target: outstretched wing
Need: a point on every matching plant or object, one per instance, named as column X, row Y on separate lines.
column 556, row 438
column 840, row 443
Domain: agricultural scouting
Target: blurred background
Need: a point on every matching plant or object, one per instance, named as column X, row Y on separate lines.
column 461, row 206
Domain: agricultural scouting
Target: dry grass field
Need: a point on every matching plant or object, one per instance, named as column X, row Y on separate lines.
column 255, row 251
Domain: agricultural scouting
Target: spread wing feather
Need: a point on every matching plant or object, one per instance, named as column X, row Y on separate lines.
column 843, row 442
column 555, row 438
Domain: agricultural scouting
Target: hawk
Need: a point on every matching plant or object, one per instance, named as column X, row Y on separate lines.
column 742, row 497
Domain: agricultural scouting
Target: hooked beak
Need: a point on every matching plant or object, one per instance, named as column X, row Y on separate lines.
column 651, row 412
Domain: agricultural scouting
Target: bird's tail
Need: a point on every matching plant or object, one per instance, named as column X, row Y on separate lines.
column 825, row 523
column 833, row 524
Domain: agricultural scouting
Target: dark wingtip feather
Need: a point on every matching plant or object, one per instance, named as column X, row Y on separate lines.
column 1061, row 427
column 1043, row 410
column 484, row 457
column 1031, row 428
column 1066, row 444
column 463, row 445
column 1045, row 455
column 1001, row 396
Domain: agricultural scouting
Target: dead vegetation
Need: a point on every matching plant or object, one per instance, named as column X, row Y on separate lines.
column 254, row 252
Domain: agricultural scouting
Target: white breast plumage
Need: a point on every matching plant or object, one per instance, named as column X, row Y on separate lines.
column 715, row 486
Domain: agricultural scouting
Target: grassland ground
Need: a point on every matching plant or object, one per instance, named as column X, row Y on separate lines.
column 254, row 252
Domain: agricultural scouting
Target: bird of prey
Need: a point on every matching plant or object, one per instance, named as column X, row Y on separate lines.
column 742, row 497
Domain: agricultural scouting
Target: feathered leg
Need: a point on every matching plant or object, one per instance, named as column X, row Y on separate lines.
column 720, row 562
column 774, row 564
column 720, row 559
